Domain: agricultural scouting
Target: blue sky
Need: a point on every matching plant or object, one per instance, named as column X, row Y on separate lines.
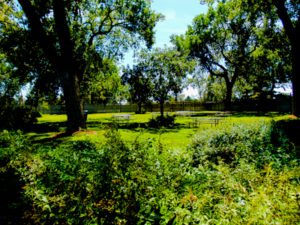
column 178, row 15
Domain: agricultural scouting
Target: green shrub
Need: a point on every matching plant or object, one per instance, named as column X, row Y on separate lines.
column 288, row 128
column 145, row 183
column 142, row 111
column 241, row 195
column 255, row 143
column 14, row 117
column 162, row 121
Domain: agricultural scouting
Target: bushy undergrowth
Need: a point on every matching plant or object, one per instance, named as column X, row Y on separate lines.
column 17, row 117
column 251, row 181
column 258, row 143
column 162, row 121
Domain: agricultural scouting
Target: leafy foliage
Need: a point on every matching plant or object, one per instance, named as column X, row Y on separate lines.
column 62, row 43
column 16, row 116
column 140, row 86
column 259, row 144
column 222, row 40
column 166, row 69
column 103, row 82
column 162, row 121
column 145, row 183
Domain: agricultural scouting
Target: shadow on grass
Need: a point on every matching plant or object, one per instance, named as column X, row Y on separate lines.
column 258, row 114
column 13, row 205
column 56, row 129
column 47, row 132
column 136, row 126
column 242, row 114
column 290, row 128
column 41, row 129
column 47, row 127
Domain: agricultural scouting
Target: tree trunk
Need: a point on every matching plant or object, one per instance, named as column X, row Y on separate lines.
column 229, row 87
column 162, row 109
column 292, row 31
column 74, row 104
column 296, row 81
column 62, row 60
column 139, row 108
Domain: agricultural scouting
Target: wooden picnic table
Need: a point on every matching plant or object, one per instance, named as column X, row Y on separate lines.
column 224, row 114
column 184, row 113
column 205, row 120
column 122, row 117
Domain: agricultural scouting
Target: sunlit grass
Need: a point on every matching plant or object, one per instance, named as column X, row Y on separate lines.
column 178, row 137
column 52, row 118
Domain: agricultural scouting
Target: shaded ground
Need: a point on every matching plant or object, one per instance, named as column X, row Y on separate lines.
column 12, row 205
column 52, row 128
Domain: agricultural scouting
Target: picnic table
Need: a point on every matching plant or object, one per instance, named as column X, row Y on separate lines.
column 122, row 117
column 205, row 120
column 224, row 114
column 184, row 113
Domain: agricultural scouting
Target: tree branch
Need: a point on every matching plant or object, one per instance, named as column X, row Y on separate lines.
column 220, row 66
column 100, row 32
column 286, row 20
column 39, row 34
column 63, row 31
column 223, row 46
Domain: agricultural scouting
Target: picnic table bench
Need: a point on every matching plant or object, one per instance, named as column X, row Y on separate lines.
column 205, row 120
column 122, row 117
column 224, row 114
column 184, row 113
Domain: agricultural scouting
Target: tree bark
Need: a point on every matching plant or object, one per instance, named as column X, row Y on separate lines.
column 292, row 31
column 62, row 60
column 229, row 87
column 162, row 108
column 74, row 104
column 70, row 70
column 139, row 107
column 296, row 81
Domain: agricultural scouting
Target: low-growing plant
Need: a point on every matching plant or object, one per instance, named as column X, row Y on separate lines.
column 146, row 183
column 14, row 117
column 252, row 142
column 162, row 121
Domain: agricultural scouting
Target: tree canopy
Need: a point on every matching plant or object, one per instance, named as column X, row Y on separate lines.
column 166, row 69
column 58, row 41
column 281, row 14
column 222, row 40
column 238, row 46
column 140, row 86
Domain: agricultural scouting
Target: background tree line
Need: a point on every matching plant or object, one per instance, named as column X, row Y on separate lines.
column 70, row 50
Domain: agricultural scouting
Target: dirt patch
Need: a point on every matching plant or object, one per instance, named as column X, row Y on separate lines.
column 292, row 117
column 84, row 132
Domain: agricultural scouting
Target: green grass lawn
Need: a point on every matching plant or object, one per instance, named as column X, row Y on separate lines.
column 177, row 137
column 243, row 174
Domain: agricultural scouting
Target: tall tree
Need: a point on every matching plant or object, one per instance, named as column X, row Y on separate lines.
column 222, row 41
column 288, row 12
column 140, row 86
column 166, row 69
column 72, row 34
column 103, row 81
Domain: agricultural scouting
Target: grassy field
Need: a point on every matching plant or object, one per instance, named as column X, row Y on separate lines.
column 243, row 171
column 178, row 136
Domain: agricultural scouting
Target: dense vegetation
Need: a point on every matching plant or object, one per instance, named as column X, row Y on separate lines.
column 236, row 174
column 70, row 52
column 234, row 171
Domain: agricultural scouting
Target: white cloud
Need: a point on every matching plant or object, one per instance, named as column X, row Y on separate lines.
column 192, row 92
column 170, row 14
